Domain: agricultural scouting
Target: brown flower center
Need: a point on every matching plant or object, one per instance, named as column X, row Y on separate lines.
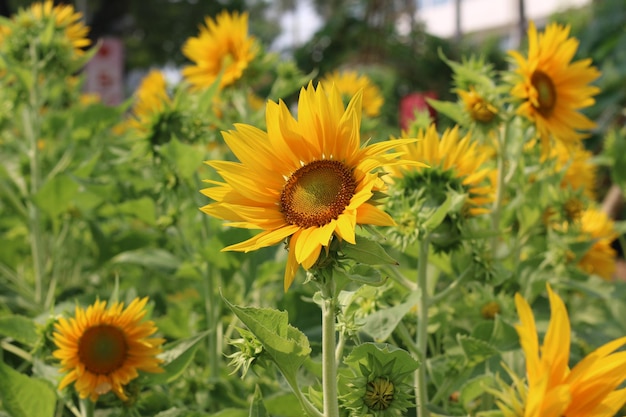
column 379, row 394
column 546, row 93
column 317, row 193
column 103, row 349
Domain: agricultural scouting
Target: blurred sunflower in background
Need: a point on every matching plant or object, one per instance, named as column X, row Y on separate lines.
column 551, row 88
column 591, row 388
column 101, row 349
column 306, row 180
column 66, row 19
column 457, row 167
column 349, row 83
column 600, row 258
column 222, row 49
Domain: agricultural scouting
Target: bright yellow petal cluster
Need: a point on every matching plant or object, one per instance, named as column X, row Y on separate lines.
column 151, row 99
column 479, row 109
column 350, row 82
column 588, row 389
column 223, row 47
column 306, row 180
column 601, row 257
column 461, row 157
column 67, row 19
column 552, row 88
column 579, row 173
column 102, row 349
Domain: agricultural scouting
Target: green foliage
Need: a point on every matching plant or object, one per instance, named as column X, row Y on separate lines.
column 23, row 396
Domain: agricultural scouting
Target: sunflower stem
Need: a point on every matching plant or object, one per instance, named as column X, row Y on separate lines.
column 32, row 131
column 500, row 185
column 87, row 407
column 421, row 337
column 329, row 364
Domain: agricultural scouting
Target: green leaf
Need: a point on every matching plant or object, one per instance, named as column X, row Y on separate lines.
column 20, row 328
column 287, row 346
column 149, row 257
column 476, row 351
column 142, row 208
column 177, row 358
column 56, row 195
column 257, row 409
column 24, row 396
column 283, row 404
column 365, row 274
column 450, row 109
column 401, row 360
column 380, row 324
column 180, row 412
column 474, row 388
column 185, row 158
column 367, row 252
column 453, row 202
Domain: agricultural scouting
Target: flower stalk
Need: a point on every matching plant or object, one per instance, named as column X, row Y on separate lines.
column 329, row 364
column 421, row 337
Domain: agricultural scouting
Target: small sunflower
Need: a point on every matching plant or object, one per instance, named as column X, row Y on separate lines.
column 306, row 180
column 151, row 101
column 222, row 47
column 349, row 82
column 66, row 19
column 601, row 257
column 479, row 109
column 102, row 349
column 552, row 88
column 553, row 390
column 579, row 172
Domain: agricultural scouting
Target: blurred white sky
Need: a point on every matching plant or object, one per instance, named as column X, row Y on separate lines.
column 297, row 27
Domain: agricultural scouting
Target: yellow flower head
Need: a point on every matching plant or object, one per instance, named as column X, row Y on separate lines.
column 478, row 108
column 453, row 159
column 223, row 46
column 579, row 172
column 66, row 19
column 306, row 180
column 151, row 99
column 102, row 349
column 600, row 258
column 349, row 82
column 554, row 390
column 551, row 87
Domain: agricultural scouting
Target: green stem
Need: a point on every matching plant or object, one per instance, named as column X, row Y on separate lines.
column 87, row 407
column 211, row 304
column 421, row 337
column 329, row 365
column 308, row 407
column 500, row 186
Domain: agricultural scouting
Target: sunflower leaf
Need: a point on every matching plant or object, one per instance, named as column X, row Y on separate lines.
column 176, row 358
column 287, row 346
column 257, row 409
column 368, row 252
column 17, row 392
column 19, row 328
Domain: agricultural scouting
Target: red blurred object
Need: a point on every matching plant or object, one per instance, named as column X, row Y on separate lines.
column 415, row 101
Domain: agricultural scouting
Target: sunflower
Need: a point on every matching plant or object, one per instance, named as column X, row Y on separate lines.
column 151, row 99
column 306, row 180
column 553, row 390
column 579, row 173
column 102, row 349
column 66, row 19
column 600, row 257
column 479, row 109
column 349, row 82
column 222, row 47
column 452, row 160
column 552, row 88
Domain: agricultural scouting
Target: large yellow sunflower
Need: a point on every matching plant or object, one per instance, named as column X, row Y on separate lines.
column 554, row 390
column 349, row 82
column 102, row 349
column 552, row 88
column 223, row 45
column 305, row 180
column 66, row 19
column 450, row 159
column 601, row 257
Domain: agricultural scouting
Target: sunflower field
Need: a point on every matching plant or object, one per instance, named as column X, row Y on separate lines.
column 256, row 241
